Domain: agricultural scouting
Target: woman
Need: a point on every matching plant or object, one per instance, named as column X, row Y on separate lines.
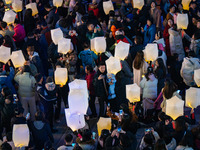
column 139, row 67
column 187, row 142
column 155, row 13
column 101, row 142
column 29, row 22
column 26, row 90
column 171, row 13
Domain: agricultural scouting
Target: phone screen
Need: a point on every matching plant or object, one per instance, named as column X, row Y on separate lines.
column 73, row 144
column 119, row 129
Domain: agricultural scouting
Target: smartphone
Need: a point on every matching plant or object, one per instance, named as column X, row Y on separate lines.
column 73, row 144
column 178, row 91
column 27, row 116
column 120, row 111
column 14, row 98
column 147, row 130
column 93, row 135
column 108, row 104
column 119, row 129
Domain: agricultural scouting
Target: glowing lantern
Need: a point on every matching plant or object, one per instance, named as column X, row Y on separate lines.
column 33, row 6
column 182, row 21
column 21, row 135
column 122, row 50
column 151, row 52
column 133, row 93
column 17, row 58
column 64, row 45
column 113, row 65
column 100, row 44
column 192, row 97
column 174, row 107
column 57, row 3
column 56, row 35
column 8, row 1
column 103, row 123
column 9, row 16
column 107, row 7
column 4, row 54
column 61, row 76
column 17, row 5
column 186, row 4
column 92, row 44
column 138, row 4
column 197, row 77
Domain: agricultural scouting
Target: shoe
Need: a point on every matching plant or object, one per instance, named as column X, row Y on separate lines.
column 54, row 130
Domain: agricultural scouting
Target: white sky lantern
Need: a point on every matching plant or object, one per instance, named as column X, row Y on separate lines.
column 9, row 16
column 17, row 5
column 182, row 21
column 122, row 50
column 57, row 3
column 61, row 76
column 103, row 123
column 192, row 97
column 185, row 4
column 17, row 58
column 197, row 77
column 33, row 6
column 92, row 44
column 4, row 54
column 64, row 45
column 100, row 44
column 174, row 107
column 151, row 52
column 78, row 84
column 20, row 135
column 113, row 65
column 8, row 1
column 138, row 4
column 56, row 35
column 133, row 92
column 108, row 6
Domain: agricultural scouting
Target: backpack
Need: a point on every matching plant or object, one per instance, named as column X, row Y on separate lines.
column 87, row 59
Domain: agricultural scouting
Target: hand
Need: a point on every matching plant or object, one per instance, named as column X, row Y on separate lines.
column 108, row 108
column 166, row 122
column 114, row 133
column 101, row 77
column 95, row 30
column 142, row 29
column 41, row 80
column 45, row 17
column 9, row 63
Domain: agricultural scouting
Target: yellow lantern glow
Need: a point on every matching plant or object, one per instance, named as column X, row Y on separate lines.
column 113, row 65
column 92, row 44
column 57, row 3
column 17, row 58
column 122, row 50
column 151, row 52
column 56, row 35
column 108, row 6
column 17, row 5
column 182, row 21
column 197, row 77
column 8, row 1
column 61, row 76
column 100, row 44
column 9, row 17
column 192, row 97
column 174, row 107
column 103, row 123
column 138, row 4
column 21, row 135
column 133, row 93
column 186, row 4
column 64, row 45
column 4, row 54
column 33, row 6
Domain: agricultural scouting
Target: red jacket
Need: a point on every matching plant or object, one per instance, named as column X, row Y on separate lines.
column 123, row 40
column 94, row 8
column 90, row 86
column 166, row 37
column 20, row 33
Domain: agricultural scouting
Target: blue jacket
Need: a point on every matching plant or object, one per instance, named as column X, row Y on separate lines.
column 149, row 34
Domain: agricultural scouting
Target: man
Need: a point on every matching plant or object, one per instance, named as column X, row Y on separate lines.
column 68, row 143
column 6, row 30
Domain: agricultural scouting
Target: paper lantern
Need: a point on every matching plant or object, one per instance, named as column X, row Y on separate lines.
column 192, row 97
column 17, row 58
column 107, row 7
column 8, row 1
column 92, row 44
column 9, row 16
column 174, row 107
column 197, row 77
column 61, row 76
column 33, row 6
column 133, row 93
column 182, row 21
column 100, row 44
column 122, row 50
column 64, row 45
column 17, row 5
column 56, row 35
column 57, row 3
column 151, row 52
column 138, row 4
column 20, row 135
column 186, row 4
column 4, row 54
column 113, row 65
column 103, row 123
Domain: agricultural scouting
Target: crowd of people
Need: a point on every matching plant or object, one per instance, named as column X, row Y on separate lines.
column 30, row 96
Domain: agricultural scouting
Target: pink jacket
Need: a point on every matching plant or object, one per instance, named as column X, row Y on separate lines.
column 19, row 33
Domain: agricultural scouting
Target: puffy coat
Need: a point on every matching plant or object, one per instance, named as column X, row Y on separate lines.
column 19, row 33
column 187, row 70
column 149, row 34
column 176, row 44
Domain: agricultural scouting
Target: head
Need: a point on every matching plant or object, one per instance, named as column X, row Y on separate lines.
column 149, row 21
column 39, row 116
column 6, row 91
column 187, row 140
column 102, row 67
column 86, row 135
column 16, row 22
column 153, row 4
column 169, row 88
column 160, row 145
column 104, row 134
column 28, row 13
column 180, row 124
column 193, row 5
column 26, row 68
column 149, row 139
column 139, row 60
column 125, row 140
column 194, row 20
column 30, row 50
column 90, row 27
column 172, row 9
column 19, row 111
column 86, row 45
column 3, row 25
column 149, row 73
column 170, row 22
column 9, row 99
column 180, row 6
column 161, row 116
column 158, row 35
column 138, row 40
column 47, row 7
column 127, row 1
column 6, row 146
column 160, row 64
column 69, row 139
column 88, row 69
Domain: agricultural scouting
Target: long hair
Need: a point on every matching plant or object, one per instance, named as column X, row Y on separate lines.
column 169, row 88
column 161, row 66
column 139, row 60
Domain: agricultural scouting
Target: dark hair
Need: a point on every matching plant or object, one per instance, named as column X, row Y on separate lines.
column 150, row 19
column 68, row 138
column 6, row 146
column 7, row 91
column 16, row 21
column 159, row 34
column 180, row 124
column 167, row 137
column 28, row 14
column 138, row 40
column 19, row 110
column 149, row 71
column 39, row 116
column 160, row 145
column 149, row 139
column 26, row 69
column 49, row 79
column 196, row 35
column 3, row 24
column 9, row 97
column 111, row 13
column 104, row 134
column 125, row 140
column 9, row 136
column 139, row 60
column 161, row 66
column 48, row 6
column 169, row 88
column 86, row 44
column 102, row 63
column 86, row 136
column 171, row 6
column 9, row 42
column 187, row 139
column 89, row 68
column 161, row 115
